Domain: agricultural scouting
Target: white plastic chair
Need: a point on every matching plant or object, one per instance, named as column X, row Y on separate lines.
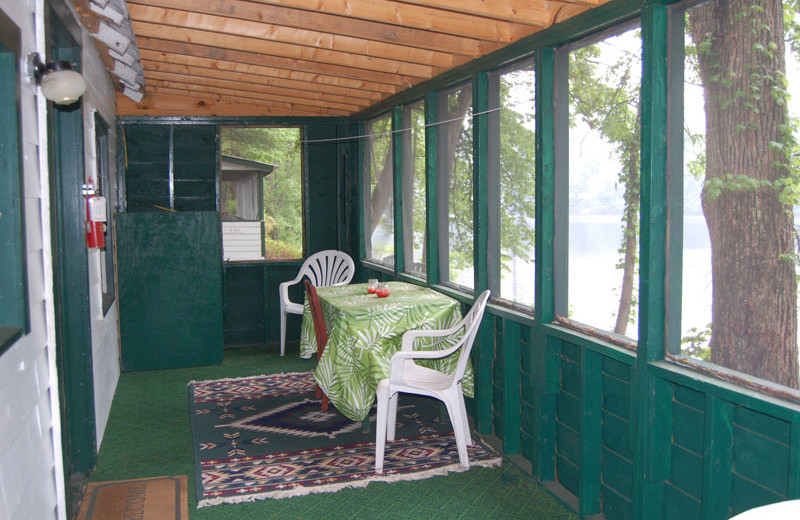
column 324, row 269
column 407, row 377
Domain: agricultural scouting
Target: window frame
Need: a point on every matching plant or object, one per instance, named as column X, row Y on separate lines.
column 562, row 184
column 303, row 195
column 442, row 180
column 14, row 318
column 409, row 168
column 366, row 191
column 494, row 192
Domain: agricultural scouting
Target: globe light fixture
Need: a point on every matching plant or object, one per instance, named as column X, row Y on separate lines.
column 57, row 79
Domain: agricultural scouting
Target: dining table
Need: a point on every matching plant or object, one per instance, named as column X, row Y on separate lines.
column 365, row 330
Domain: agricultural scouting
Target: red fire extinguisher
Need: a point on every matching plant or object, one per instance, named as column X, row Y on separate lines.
column 95, row 217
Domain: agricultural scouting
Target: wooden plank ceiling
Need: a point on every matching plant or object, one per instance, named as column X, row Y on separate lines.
column 304, row 57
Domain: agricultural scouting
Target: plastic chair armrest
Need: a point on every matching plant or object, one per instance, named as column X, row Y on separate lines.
column 283, row 288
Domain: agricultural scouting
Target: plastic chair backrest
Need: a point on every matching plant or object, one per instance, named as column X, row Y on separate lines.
column 329, row 267
column 470, row 323
column 316, row 314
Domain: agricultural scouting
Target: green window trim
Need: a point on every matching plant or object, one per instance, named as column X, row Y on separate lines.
column 13, row 284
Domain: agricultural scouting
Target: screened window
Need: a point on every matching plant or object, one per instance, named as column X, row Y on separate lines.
column 12, row 275
column 604, row 159
column 105, row 190
column 512, row 183
column 379, row 186
column 455, row 197
column 261, row 193
column 414, row 242
column 739, row 192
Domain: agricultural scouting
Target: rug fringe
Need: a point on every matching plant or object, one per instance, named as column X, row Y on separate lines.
column 330, row 488
column 204, row 381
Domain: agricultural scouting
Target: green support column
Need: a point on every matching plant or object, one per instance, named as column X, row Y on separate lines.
column 717, row 458
column 483, row 355
column 397, row 168
column 480, row 181
column 544, row 357
column 654, row 407
column 362, row 187
column 591, row 432
column 432, row 186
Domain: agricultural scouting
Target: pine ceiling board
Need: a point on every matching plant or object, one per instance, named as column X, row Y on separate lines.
column 165, row 103
column 198, row 84
column 258, row 92
column 277, row 102
column 333, row 24
column 276, row 34
column 539, row 14
column 317, row 57
column 185, row 48
column 251, row 74
column 286, row 50
column 162, row 61
column 406, row 15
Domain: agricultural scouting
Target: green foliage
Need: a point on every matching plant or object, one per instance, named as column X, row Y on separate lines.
column 696, row 343
column 517, row 173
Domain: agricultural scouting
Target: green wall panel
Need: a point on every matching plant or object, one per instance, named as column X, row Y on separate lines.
column 170, row 289
column 322, row 188
column 617, row 474
column 680, row 506
column 617, row 457
column 172, row 166
column 750, row 451
column 244, row 319
column 746, row 494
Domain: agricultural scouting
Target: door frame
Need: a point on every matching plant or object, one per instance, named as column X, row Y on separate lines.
column 71, row 267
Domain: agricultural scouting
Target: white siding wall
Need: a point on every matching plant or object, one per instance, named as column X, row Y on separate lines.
column 100, row 98
column 31, row 479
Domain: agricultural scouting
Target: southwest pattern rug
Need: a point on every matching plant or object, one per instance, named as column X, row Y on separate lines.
column 267, row 437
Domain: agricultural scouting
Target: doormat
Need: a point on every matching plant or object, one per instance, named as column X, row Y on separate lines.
column 156, row 498
column 267, row 437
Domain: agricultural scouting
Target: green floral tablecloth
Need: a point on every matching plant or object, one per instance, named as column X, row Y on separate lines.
column 364, row 331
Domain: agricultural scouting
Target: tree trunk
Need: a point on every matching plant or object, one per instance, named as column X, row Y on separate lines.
column 631, row 233
column 754, row 309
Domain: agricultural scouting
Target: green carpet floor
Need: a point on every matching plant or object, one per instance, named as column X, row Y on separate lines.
column 148, row 434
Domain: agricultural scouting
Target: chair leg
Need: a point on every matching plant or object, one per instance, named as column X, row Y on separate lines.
column 382, row 393
column 283, row 331
column 392, row 416
column 324, row 403
column 464, row 419
column 460, row 430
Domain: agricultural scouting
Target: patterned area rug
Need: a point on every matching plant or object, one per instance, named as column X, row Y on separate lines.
column 266, row 437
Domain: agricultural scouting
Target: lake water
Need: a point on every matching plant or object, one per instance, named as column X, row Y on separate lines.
column 595, row 281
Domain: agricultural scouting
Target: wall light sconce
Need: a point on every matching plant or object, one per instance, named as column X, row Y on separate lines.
column 59, row 82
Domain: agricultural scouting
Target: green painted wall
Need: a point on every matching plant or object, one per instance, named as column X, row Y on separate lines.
column 173, row 163
column 170, row 289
